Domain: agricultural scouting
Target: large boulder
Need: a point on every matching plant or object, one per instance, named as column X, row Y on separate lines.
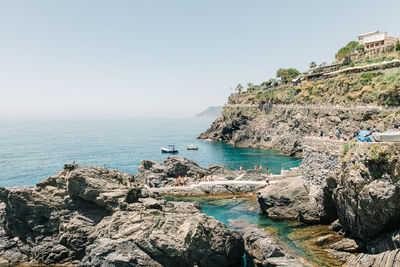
column 288, row 199
column 266, row 250
column 93, row 216
column 368, row 193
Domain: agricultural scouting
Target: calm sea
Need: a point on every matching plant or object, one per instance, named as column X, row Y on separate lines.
column 32, row 150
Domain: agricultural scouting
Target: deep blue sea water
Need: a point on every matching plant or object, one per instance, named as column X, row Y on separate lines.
column 32, row 150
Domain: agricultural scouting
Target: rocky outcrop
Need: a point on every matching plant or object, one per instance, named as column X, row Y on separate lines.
column 93, row 216
column 288, row 199
column 266, row 250
column 385, row 259
column 367, row 197
column 321, row 162
column 211, row 188
column 175, row 166
column 282, row 127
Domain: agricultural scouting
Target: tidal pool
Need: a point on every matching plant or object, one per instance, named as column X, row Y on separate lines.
column 308, row 242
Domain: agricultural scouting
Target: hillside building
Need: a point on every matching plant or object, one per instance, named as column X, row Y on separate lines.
column 376, row 40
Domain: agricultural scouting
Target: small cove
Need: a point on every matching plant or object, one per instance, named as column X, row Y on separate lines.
column 243, row 211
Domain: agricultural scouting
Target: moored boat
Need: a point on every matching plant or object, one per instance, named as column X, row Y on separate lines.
column 192, row 147
column 169, row 149
column 388, row 136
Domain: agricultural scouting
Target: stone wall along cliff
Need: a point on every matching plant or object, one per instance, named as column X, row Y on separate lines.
column 321, row 162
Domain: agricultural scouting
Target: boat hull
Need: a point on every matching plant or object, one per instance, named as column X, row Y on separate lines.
column 167, row 150
column 387, row 137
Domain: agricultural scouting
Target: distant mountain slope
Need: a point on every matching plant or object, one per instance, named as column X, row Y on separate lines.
column 213, row 112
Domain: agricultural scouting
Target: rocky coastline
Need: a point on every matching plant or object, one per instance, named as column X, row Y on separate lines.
column 282, row 127
column 353, row 186
column 94, row 216
column 91, row 216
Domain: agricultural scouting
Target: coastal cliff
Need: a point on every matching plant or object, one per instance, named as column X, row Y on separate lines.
column 278, row 118
column 282, row 127
column 354, row 186
column 93, row 216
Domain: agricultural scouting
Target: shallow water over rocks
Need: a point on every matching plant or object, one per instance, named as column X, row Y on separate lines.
column 308, row 242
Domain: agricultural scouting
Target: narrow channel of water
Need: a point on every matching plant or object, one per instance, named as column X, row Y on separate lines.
column 308, row 242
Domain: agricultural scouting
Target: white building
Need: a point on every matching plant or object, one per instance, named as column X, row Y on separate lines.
column 376, row 40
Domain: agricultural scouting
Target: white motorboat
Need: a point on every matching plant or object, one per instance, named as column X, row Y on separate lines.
column 169, row 149
column 389, row 136
column 192, row 147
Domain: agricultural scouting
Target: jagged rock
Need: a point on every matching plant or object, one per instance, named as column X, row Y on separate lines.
column 266, row 250
column 282, row 127
column 389, row 241
column 348, row 245
column 175, row 166
column 94, row 216
column 385, row 259
column 336, row 226
column 288, row 199
column 368, row 193
column 221, row 172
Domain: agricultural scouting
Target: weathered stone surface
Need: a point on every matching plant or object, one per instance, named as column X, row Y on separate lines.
column 385, row 259
column 348, row 245
column 211, row 188
column 288, row 199
column 320, row 164
column 266, row 250
column 282, row 127
column 174, row 166
column 367, row 197
column 97, row 217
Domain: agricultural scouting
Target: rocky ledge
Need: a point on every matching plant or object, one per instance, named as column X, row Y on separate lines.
column 224, row 181
column 92, row 216
column 266, row 250
column 282, row 127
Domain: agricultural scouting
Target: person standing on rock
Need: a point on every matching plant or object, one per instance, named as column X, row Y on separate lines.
column 255, row 167
column 267, row 171
column 260, row 169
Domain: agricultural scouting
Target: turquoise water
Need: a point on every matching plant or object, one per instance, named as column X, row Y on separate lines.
column 32, row 150
column 243, row 211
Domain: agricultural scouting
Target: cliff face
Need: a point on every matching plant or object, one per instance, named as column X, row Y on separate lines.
column 368, row 193
column 282, row 127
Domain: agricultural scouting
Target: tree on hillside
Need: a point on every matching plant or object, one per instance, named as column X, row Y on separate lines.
column 398, row 45
column 287, row 75
column 346, row 52
column 270, row 83
column 239, row 88
column 313, row 65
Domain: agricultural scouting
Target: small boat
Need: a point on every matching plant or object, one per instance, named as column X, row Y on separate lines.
column 169, row 149
column 389, row 136
column 192, row 147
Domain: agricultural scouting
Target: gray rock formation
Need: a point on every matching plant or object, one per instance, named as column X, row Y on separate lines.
column 367, row 197
column 266, row 250
column 93, row 216
column 385, row 259
column 175, row 166
column 282, row 127
column 288, row 199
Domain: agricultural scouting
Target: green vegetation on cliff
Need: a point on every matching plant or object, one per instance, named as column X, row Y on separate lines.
column 367, row 88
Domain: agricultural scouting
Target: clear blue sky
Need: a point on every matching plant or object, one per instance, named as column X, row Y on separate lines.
column 164, row 58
